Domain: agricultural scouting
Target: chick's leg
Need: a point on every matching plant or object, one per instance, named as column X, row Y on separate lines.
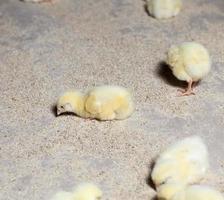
column 188, row 91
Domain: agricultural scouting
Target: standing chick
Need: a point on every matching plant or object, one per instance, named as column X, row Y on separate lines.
column 162, row 9
column 184, row 162
column 103, row 103
column 184, row 192
column 86, row 191
column 189, row 62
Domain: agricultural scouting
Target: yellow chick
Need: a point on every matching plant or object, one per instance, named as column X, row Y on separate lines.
column 62, row 195
column 103, row 103
column 183, row 162
column 162, row 9
column 189, row 62
column 86, row 191
column 184, row 192
column 198, row 192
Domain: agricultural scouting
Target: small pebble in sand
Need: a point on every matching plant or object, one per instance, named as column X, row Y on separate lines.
column 85, row 191
column 162, row 9
column 184, row 162
column 189, row 62
column 102, row 103
column 187, row 192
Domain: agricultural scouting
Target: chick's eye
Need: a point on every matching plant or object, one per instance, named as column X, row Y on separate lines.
column 62, row 107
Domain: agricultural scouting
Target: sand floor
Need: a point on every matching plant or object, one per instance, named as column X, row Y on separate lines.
column 46, row 49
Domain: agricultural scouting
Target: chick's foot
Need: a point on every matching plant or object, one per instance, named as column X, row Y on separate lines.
column 185, row 92
column 188, row 91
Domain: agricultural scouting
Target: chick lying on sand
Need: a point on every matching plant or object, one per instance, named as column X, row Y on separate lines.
column 187, row 192
column 183, row 162
column 103, row 103
column 86, row 191
column 162, row 9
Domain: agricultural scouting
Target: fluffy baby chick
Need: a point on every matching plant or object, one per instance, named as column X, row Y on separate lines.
column 86, row 191
column 62, row 195
column 198, row 192
column 183, row 162
column 103, row 103
column 163, row 9
column 192, row 192
column 189, row 62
